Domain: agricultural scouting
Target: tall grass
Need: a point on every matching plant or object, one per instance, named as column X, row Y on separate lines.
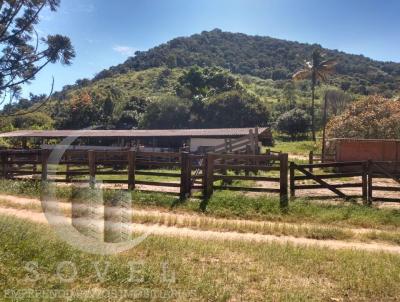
column 204, row 270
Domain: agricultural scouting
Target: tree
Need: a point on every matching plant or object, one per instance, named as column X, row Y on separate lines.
column 79, row 112
column 132, row 113
column 35, row 120
column 372, row 117
column 235, row 109
column 317, row 70
column 199, row 83
column 289, row 93
column 23, row 53
column 167, row 113
column 294, row 122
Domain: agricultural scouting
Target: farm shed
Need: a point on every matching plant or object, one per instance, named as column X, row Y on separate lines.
column 148, row 140
column 349, row 149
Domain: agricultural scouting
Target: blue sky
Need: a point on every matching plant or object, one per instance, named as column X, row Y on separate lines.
column 105, row 33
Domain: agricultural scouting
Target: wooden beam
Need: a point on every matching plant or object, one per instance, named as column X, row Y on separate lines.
column 131, row 169
column 283, row 187
column 209, row 176
column 92, row 168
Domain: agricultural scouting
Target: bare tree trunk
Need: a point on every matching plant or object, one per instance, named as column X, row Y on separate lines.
column 313, row 112
column 324, row 131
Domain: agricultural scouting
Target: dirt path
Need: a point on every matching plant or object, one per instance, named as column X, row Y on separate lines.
column 162, row 230
column 180, row 217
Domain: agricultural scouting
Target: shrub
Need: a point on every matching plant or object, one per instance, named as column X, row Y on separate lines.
column 371, row 117
column 235, row 109
column 294, row 122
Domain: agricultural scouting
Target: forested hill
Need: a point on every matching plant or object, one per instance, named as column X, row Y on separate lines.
column 264, row 57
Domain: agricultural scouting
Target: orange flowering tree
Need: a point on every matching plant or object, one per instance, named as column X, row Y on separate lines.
column 372, row 117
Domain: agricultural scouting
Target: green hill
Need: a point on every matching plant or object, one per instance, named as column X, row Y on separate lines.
column 247, row 76
column 264, row 57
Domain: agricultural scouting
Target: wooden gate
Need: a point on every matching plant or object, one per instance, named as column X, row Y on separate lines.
column 329, row 171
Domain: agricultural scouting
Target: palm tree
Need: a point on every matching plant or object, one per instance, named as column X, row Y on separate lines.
column 318, row 70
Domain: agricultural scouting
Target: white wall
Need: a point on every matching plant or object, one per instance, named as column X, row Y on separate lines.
column 195, row 143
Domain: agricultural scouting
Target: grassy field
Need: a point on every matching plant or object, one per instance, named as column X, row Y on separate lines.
column 176, row 269
column 299, row 148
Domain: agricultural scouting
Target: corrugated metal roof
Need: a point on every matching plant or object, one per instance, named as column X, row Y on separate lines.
column 223, row 132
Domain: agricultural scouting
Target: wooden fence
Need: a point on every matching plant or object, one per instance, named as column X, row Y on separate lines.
column 184, row 173
column 187, row 172
column 357, row 174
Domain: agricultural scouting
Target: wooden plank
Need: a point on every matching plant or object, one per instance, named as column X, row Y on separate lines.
column 159, row 154
column 292, row 179
column 246, row 189
column 370, row 183
column 283, row 175
column 131, row 169
column 311, row 161
column 242, row 177
column 4, row 159
column 321, row 182
column 330, row 176
column 386, row 199
column 157, row 163
column 158, row 174
column 332, row 165
column 246, row 156
column 337, row 186
column 365, row 182
column 246, row 167
column 185, row 178
column 158, row 184
column 209, row 176
column 389, row 189
column 92, row 168
column 44, row 159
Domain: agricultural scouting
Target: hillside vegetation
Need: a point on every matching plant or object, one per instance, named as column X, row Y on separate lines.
column 264, row 57
column 212, row 79
column 166, row 98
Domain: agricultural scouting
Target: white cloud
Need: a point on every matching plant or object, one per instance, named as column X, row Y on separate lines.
column 124, row 50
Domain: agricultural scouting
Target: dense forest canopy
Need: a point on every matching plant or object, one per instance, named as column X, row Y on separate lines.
column 264, row 57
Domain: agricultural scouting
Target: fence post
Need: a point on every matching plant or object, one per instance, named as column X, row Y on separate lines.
column 365, row 168
column 370, row 180
column 45, row 157
column 311, row 160
column 92, row 168
column 189, row 175
column 209, row 176
column 184, row 175
column 4, row 158
column 283, row 160
column 292, row 180
column 131, row 169
column 67, row 168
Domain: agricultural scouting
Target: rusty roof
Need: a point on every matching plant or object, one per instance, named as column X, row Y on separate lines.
column 219, row 132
